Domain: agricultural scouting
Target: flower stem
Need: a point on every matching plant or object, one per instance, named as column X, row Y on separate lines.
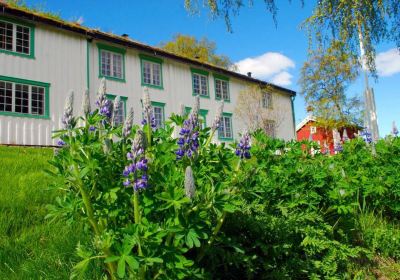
column 136, row 207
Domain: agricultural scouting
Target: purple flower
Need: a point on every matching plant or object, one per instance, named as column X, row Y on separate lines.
column 188, row 141
column 60, row 143
column 366, row 135
column 92, row 128
column 338, row 147
column 243, row 148
column 136, row 171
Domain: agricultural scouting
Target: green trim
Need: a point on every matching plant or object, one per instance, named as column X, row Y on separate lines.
column 31, row 27
column 223, row 79
column 87, row 64
column 202, row 112
column 199, row 71
column 123, row 99
column 46, row 87
column 229, row 115
column 203, row 73
column 153, row 60
column 109, row 48
column 160, row 105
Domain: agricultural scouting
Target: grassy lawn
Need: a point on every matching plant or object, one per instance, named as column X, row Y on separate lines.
column 30, row 246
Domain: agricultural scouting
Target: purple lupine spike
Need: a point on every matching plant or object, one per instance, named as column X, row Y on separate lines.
column 67, row 117
column 189, row 137
column 366, row 135
column 395, row 131
column 243, row 147
column 136, row 171
column 147, row 108
column 104, row 105
column 86, row 109
column 218, row 117
column 116, row 109
column 126, row 131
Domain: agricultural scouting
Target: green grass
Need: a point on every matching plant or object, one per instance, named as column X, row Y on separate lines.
column 30, row 246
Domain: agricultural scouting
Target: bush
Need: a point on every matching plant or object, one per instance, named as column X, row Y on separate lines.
column 157, row 207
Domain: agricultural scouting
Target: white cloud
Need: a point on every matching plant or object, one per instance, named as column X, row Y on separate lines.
column 282, row 79
column 388, row 63
column 270, row 66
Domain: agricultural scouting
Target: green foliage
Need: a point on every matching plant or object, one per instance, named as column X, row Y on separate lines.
column 202, row 50
column 38, row 8
column 282, row 214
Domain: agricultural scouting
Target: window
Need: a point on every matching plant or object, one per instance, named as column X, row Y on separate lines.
column 20, row 97
column 151, row 71
column 221, row 87
column 200, row 83
column 120, row 118
column 225, row 130
column 267, row 100
column 313, row 129
column 158, row 113
column 16, row 38
column 202, row 116
column 269, row 128
column 111, row 62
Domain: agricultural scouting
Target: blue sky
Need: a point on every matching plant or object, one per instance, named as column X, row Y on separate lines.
column 273, row 53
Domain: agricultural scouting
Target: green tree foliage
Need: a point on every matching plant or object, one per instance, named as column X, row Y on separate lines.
column 202, row 50
column 331, row 20
column 324, row 80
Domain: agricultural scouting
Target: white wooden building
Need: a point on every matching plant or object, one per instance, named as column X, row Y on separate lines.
column 41, row 59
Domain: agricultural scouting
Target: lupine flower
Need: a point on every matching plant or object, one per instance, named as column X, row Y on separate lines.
column 338, row 147
column 190, row 187
column 189, row 135
column 126, row 131
column 395, row 131
column 86, row 103
column 218, row 117
column 102, row 102
column 60, row 143
column 92, row 128
column 116, row 109
column 366, row 135
column 147, row 109
column 243, row 148
column 136, row 171
column 68, row 110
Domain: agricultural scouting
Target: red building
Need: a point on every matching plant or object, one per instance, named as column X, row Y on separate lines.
column 308, row 130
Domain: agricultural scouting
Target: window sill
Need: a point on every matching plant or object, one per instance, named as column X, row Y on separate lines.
column 202, row 96
column 13, row 114
column 225, row 139
column 30, row 56
column 113, row 79
column 225, row 100
column 152, row 86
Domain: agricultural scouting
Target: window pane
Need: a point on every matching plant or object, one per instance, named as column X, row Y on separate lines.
column 37, row 100
column 218, row 89
column 6, row 36
column 22, row 39
column 158, row 116
column 156, row 74
column 225, row 92
column 228, row 129
column 203, row 85
column 117, row 66
column 196, row 84
column 21, row 99
column 105, row 63
column 5, row 97
column 120, row 117
column 146, row 72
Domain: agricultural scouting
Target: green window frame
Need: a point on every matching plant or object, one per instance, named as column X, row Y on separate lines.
column 151, row 79
column 114, row 52
column 161, row 106
column 219, row 81
column 200, row 74
column 222, row 133
column 123, row 100
column 202, row 112
column 30, row 95
column 23, row 26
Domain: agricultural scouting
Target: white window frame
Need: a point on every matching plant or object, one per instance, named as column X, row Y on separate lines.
column 152, row 66
column 113, row 56
column 30, row 100
column 159, row 124
column 14, row 38
column 220, row 88
column 202, row 87
column 222, row 131
column 267, row 100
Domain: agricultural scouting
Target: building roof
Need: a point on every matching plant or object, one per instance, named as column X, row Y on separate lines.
column 7, row 9
column 307, row 119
